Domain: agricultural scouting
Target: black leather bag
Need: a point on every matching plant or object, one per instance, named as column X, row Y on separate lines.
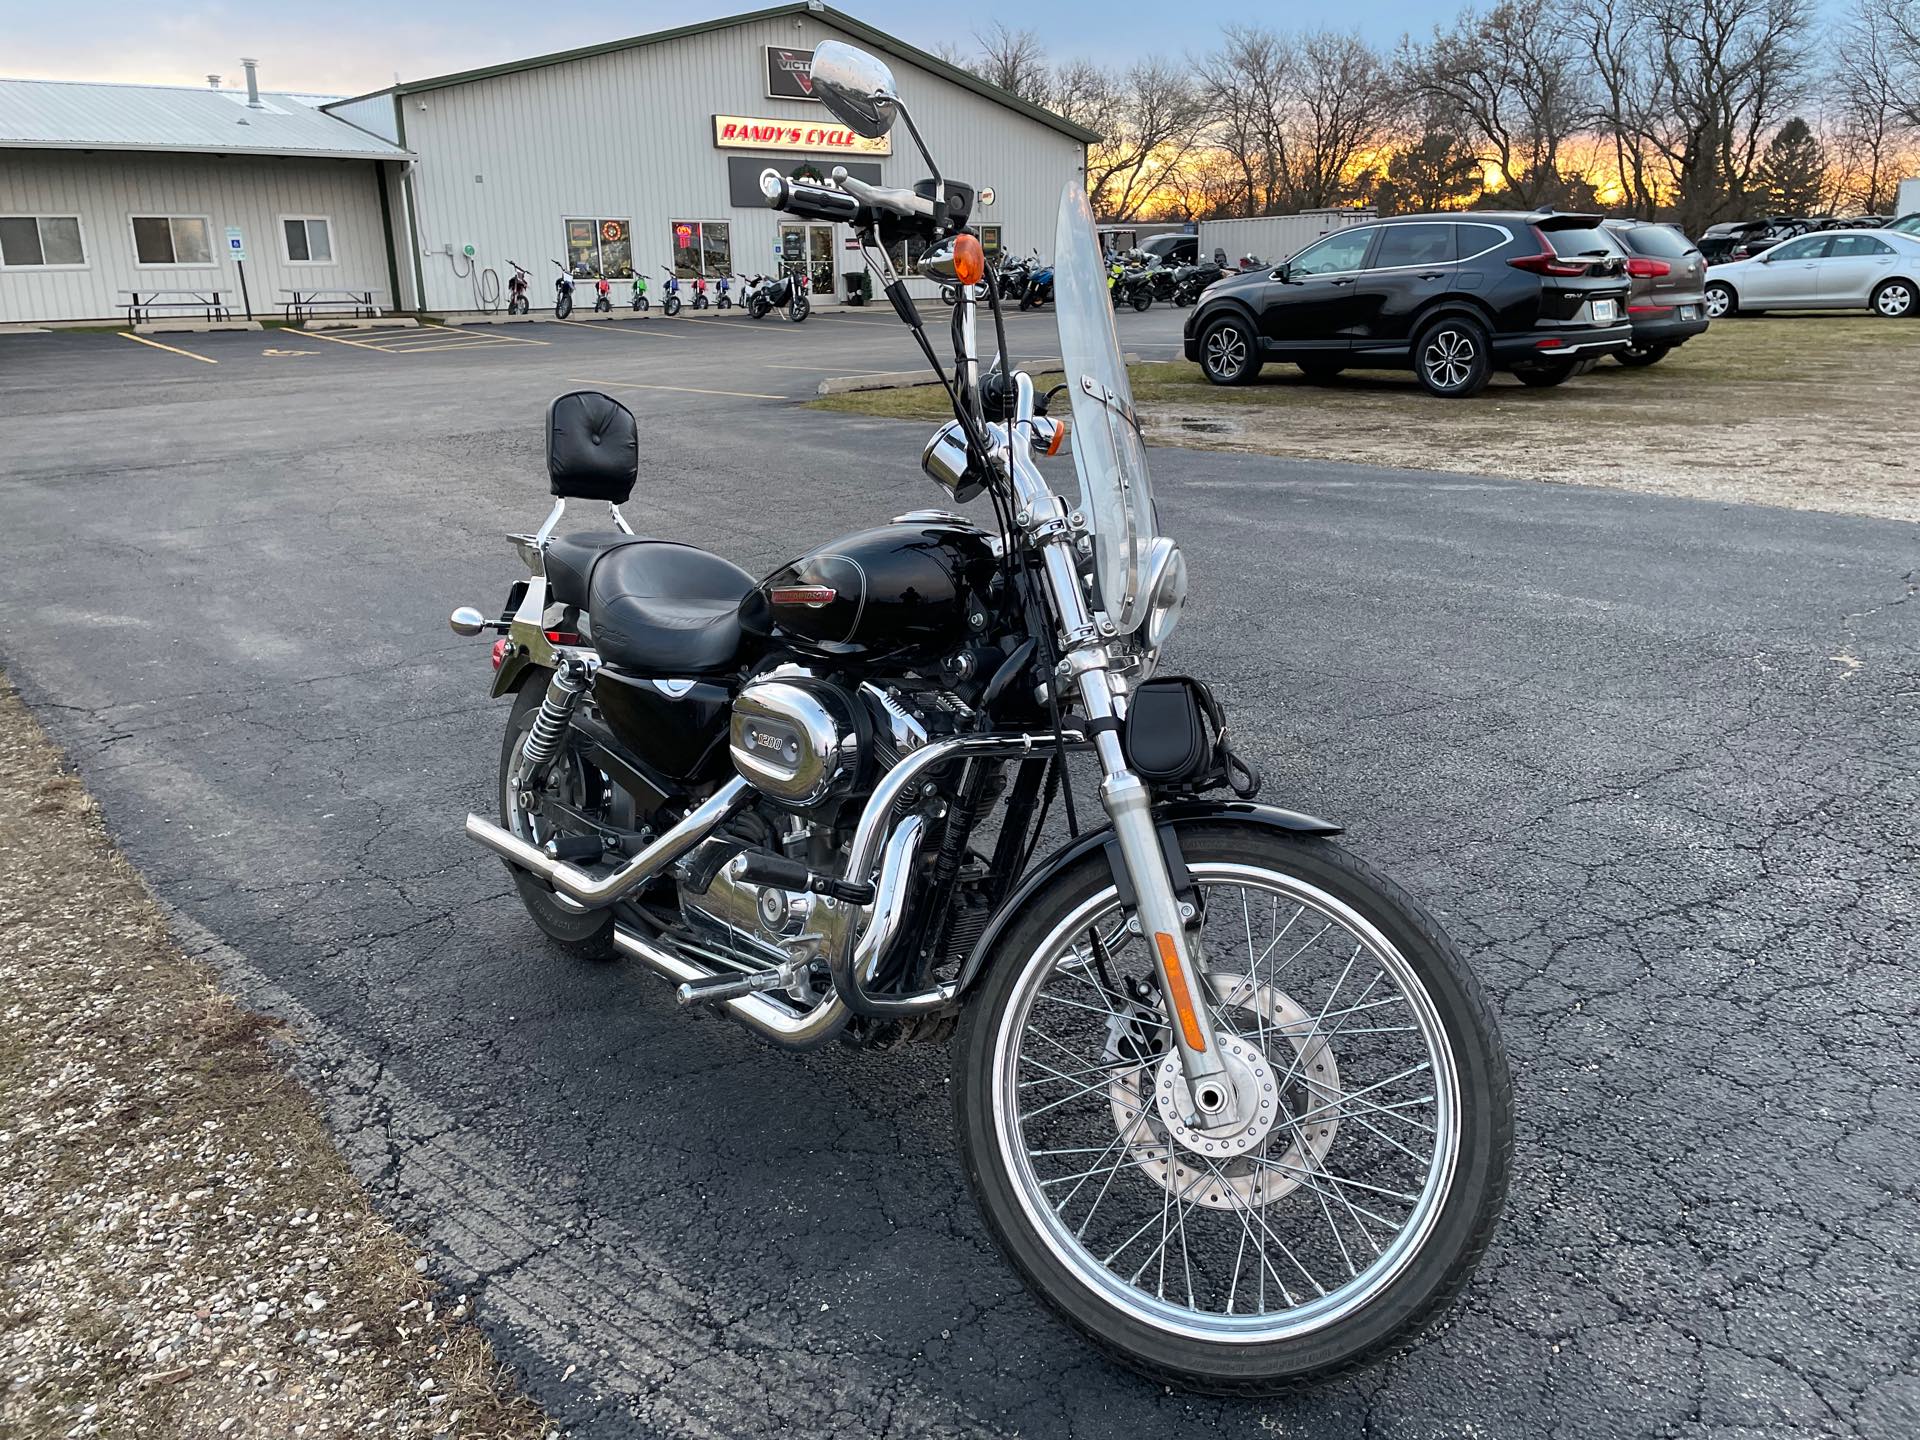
column 593, row 447
column 1176, row 739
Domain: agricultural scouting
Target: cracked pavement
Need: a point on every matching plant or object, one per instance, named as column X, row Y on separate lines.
column 1651, row 762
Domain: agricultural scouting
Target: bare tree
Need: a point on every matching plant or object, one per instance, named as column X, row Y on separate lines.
column 1148, row 121
column 1870, row 92
column 1518, row 79
column 1015, row 61
column 1246, row 85
column 1900, row 23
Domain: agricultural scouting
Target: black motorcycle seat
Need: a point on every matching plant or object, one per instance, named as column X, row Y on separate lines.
column 570, row 561
column 665, row 609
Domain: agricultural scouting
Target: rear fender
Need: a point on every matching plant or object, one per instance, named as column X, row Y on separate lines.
column 1171, row 819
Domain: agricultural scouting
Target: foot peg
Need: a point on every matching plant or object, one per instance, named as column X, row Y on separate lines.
column 720, row 988
column 576, row 849
column 757, row 867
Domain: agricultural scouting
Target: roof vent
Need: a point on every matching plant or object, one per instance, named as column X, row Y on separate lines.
column 213, row 82
column 253, row 84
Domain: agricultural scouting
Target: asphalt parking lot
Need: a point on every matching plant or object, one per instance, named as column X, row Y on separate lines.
column 1652, row 761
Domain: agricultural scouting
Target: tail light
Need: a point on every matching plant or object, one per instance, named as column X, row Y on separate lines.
column 1648, row 269
column 499, row 652
column 1547, row 262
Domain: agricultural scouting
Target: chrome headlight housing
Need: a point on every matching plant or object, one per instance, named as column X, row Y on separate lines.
column 1166, row 591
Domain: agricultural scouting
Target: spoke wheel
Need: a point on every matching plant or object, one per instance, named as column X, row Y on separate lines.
column 1719, row 302
column 1345, row 1205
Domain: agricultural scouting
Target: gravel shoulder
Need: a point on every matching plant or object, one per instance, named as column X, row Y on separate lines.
column 182, row 1250
column 1808, row 412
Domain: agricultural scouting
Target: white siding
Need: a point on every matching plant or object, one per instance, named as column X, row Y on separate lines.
column 629, row 135
column 105, row 190
column 373, row 113
column 1273, row 238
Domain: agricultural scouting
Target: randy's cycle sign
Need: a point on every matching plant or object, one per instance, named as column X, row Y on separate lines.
column 790, row 74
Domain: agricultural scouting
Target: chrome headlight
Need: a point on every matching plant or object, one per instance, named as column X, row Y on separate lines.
column 1166, row 591
column 949, row 464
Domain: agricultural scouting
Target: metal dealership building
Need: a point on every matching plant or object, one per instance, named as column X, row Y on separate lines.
column 639, row 155
column 646, row 154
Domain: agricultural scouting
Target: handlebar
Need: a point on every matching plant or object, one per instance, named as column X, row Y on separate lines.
column 813, row 202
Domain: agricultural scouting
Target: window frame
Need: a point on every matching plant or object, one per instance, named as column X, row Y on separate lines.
column 569, row 217
column 1505, row 237
column 1377, row 252
column 999, row 240
column 700, row 248
column 1872, row 246
column 1372, row 232
column 212, row 262
column 1821, row 242
column 286, row 255
column 80, row 227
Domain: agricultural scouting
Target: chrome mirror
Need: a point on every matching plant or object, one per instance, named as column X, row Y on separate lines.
column 856, row 88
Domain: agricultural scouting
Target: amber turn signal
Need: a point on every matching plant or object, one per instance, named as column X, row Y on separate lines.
column 969, row 260
column 1182, row 1001
column 1059, row 438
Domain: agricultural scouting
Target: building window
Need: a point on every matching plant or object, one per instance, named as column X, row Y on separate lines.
column 47, row 241
column 172, row 240
column 308, row 239
column 600, row 247
column 702, row 247
column 905, row 254
column 990, row 240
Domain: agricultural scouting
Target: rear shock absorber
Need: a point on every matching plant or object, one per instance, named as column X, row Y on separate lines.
column 550, row 725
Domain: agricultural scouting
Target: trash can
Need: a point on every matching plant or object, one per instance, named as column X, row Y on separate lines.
column 859, row 287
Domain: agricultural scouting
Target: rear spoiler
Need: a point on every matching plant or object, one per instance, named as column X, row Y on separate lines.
column 1563, row 220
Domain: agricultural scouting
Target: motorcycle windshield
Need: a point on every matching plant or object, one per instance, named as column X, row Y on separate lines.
column 1115, row 494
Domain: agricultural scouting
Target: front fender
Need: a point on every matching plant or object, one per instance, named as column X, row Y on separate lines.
column 1175, row 817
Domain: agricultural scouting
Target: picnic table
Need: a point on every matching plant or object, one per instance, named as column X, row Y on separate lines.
column 299, row 304
column 142, row 303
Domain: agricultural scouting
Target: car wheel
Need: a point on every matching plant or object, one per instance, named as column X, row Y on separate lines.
column 1721, row 302
column 1640, row 355
column 1894, row 300
column 1451, row 359
column 1228, row 353
column 1320, row 371
column 1544, row 376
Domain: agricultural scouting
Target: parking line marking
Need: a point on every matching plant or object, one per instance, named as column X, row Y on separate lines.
column 491, row 339
column 678, row 389
column 602, row 325
column 142, row 340
column 337, row 340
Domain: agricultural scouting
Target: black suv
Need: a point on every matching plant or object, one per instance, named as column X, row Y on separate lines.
column 1452, row 297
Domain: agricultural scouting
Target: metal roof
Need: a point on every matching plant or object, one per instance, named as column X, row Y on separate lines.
column 72, row 115
column 859, row 29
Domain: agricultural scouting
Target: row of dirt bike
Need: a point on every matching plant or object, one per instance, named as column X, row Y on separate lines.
column 760, row 295
column 1135, row 279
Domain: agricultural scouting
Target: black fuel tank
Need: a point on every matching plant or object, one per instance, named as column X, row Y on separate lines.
column 906, row 593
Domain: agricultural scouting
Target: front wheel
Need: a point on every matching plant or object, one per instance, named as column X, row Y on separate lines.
column 563, row 307
column 1229, row 353
column 517, row 305
column 1721, row 301
column 670, row 306
column 1353, row 1208
column 799, row 308
column 1142, row 299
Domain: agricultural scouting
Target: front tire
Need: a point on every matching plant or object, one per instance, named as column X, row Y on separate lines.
column 670, row 306
column 1088, row 1188
column 563, row 307
column 799, row 308
column 1721, row 301
column 585, row 933
column 1894, row 300
column 1142, row 300
column 1230, row 352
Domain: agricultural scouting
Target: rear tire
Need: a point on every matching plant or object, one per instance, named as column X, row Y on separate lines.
column 1381, row 1309
column 1894, row 300
column 585, row 933
column 1450, row 357
column 1641, row 355
column 1230, row 352
column 1142, row 299
column 1546, row 376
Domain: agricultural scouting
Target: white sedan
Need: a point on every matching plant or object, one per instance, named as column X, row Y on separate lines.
column 1877, row 270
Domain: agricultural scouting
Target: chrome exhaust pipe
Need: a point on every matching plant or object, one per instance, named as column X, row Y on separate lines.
column 768, row 1017
column 598, row 892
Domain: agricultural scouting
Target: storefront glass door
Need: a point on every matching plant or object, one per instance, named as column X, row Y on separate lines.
column 811, row 245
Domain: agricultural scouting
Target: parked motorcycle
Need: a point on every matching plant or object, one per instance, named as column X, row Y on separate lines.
column 562, row 294
column 517, row 289
column 602, row 295
column 699, row 292
column 1229, row 1099
column 670, row 301
column 1129, row 283
column 1190, row 280
column 722, row 300
column 640, row 301
column 1039, row 289
column 781, row 292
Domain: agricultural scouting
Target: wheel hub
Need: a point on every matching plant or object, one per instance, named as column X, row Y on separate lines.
column 1291, row 1102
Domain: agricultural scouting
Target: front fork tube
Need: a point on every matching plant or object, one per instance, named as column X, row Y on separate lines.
column 1163, row 925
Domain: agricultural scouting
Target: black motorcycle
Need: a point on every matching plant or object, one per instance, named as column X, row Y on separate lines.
column 786, row 292
column 1229, row 1100
column 1130, row 282
column 1190, row 280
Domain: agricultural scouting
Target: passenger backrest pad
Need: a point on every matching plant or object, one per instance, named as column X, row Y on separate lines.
column 593, row 447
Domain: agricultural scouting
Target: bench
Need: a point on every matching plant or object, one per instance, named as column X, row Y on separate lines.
column 300, row 304
column 142, row 303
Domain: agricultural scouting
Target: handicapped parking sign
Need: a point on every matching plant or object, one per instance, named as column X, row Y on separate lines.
column 236, row 246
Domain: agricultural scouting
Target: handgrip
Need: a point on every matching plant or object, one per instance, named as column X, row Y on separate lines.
column 810, row 202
